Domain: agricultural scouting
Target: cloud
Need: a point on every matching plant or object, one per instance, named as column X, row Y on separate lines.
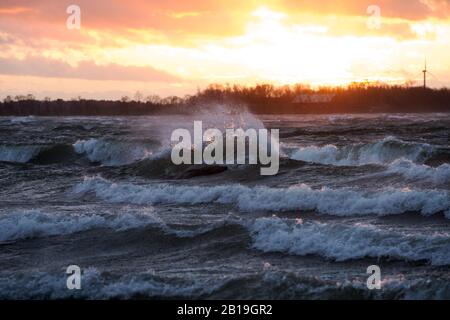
column 173, row 17
column 6, row 39
column 110, row 23
column 404, row 9
column 205, row 40
column 184, row 22
column 88, row 70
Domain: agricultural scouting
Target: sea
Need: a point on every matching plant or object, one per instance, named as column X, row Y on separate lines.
column 101, row 193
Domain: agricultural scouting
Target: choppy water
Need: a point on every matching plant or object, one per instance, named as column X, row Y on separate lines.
column 101, row 193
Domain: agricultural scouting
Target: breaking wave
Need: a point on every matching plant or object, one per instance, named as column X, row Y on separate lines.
column 41, row 154
column 383, row 151
column 341, row 202
column 264, row 284
column 34, row 223
column 344, row 242
column 411, row 171
column 98, row 286
column 19, row 154
column 112, row 153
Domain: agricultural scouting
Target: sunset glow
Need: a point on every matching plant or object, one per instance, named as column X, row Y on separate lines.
column 175, row 47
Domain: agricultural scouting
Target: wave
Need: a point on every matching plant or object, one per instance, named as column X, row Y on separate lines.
column 96, row 285
column 112, row 153
column 384, row 151
column 34, row 223
column 19, row 154
column 341, row 202
column 345, row 242
column 262, row 284
column 22, row 119
column 439, row 175
column 41, row 154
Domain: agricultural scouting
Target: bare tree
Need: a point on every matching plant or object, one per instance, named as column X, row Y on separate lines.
column 30, row 97
column 8, row 99
column 138, row 96
column 154, row 99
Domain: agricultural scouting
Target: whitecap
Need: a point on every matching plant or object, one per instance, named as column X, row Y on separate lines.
column 341, row 202
column 344, row 242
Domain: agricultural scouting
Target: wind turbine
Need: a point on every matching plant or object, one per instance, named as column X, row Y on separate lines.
column 425, row 75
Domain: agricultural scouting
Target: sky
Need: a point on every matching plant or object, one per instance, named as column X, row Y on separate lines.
column 177, row 47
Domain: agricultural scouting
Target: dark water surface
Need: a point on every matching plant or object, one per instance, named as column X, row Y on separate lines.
column 102, row 193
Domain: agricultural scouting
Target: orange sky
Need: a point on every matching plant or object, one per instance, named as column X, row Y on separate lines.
column 174, row 47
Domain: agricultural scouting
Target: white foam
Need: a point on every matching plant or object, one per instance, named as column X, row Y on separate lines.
column 111, row 153
column 20, row 154
column 20, row 120
column 149, row 284
column 337, row 118
column 95, row 285
column 343, row 242
column 439, row 175
column 327, row 201
column 34, row 223
column 384, row 151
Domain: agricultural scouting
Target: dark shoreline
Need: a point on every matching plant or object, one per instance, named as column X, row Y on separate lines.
column 260, row 99
column 107, row 108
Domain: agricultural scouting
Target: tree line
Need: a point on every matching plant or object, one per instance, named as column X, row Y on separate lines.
column 260, row 98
